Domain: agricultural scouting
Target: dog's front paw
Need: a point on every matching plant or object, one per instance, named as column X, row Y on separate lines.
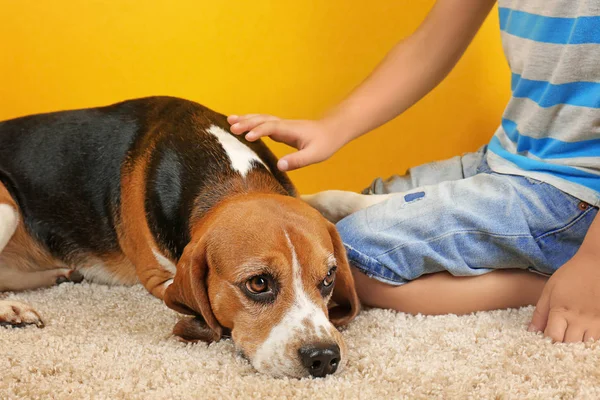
column 69, row 275
column 17, row 314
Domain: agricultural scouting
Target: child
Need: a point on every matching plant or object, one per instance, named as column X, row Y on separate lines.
column 465, row 232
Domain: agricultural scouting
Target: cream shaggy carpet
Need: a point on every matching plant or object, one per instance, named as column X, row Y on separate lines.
column 114, row 343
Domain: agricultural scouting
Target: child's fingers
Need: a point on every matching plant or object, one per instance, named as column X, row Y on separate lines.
column 592, row 333
column 540, row 314
column 296, row 160
column 232, row 119
column 556, row 327
column 283, row 130
column 249, row 122
column 575, row 332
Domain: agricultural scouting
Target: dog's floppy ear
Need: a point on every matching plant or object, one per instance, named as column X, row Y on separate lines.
column 344, row 293
column 188, row 294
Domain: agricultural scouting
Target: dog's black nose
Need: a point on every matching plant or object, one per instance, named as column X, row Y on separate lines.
column 320, row 360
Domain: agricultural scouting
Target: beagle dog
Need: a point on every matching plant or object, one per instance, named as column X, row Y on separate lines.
column 157, row 191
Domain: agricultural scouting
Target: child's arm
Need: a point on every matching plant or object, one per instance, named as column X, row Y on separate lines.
column 569, row 308
column 410, row 70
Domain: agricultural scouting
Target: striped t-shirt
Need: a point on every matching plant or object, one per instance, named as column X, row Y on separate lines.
column 550, row 129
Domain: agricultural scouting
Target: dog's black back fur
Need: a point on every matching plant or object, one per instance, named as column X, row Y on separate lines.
column 64, row 170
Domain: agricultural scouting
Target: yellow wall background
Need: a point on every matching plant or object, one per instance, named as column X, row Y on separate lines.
column 286, row 57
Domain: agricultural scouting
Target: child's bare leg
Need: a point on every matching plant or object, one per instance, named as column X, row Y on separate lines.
column 442, row 293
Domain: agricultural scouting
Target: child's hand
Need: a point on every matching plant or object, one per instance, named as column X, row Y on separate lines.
column 569, row 308
column 313, row 139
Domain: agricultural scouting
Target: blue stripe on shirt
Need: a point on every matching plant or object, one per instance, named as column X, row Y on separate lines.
column 560, row 171
column 546, row 94
column 580, row 30
column 549, row 148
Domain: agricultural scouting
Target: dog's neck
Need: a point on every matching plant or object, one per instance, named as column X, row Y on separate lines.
column 257, row 181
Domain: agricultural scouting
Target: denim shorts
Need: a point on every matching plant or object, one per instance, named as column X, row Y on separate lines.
column 459, row 216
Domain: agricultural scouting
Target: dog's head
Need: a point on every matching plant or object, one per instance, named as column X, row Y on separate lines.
column 266, row 267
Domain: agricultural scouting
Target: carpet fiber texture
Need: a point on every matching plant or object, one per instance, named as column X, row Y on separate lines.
column 114, row 343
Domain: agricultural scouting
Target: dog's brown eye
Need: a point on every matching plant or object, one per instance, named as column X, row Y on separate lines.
column 261, row 288
column 258, row 284
column 330, row 278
